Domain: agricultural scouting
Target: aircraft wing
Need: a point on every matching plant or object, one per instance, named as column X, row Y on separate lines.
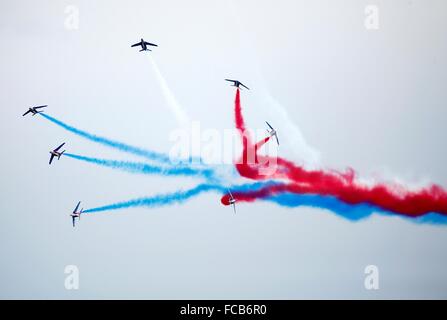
column 77, row 207
column 73, row 219
column 59, row 147
column 150, row 44
column 136, row 44
column 230, row 80
column 231, row 195
column 51, row 158
column 26, row 112
column 269, row 125
column 234, row 207
column 245, row 86
column 277, row 140
column 41, row 107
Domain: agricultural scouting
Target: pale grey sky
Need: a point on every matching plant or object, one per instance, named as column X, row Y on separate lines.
column 370, row 100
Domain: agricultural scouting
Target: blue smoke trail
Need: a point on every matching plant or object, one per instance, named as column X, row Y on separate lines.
column 151, row 155
column 144, row 168
column 431, row 218
column 353, row 213
column 346, row 211
column 156, row 201
column 177, row 197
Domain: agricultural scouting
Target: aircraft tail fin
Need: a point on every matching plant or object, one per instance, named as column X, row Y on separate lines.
column 60, row 155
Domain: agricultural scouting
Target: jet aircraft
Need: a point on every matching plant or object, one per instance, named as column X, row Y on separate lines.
column 34, row 110
column 76, row 214
column 232, row 201
column 237, row 83
column 144, row 45
column 272, row 132
column 56, row 153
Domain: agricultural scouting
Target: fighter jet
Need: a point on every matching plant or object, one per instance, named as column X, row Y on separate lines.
column 144, row 45
column 34, row 110
column 232, row 201
column 56, row 153
column 76, row 214
column 237, row 83
column 272, row 132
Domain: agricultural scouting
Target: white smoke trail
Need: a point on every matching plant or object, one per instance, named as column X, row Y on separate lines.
column 291, row 134
column 178, row 111
column 288, row 131
column 183, row 120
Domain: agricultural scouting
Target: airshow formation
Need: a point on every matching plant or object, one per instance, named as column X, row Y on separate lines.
column 288, row 185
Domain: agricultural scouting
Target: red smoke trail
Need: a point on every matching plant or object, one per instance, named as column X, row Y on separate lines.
column 343, row 186
column 250, row 163
column 240, row 124
column 261, row 143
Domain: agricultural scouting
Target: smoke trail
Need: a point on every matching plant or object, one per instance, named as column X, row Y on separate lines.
column 293, row 137
column 249, row 165
column 350, row 212
column 176, row 197
column 346, row 211
column 178, row 111
column 406, row 203
column 392, row 198
column 176, row 108
column 156, row 201
column 151, row 155
column 238, row 117
column 143, row 168
column 261, row 143
column 148, row 154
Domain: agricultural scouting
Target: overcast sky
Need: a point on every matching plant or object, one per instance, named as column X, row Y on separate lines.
column 340, row 95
